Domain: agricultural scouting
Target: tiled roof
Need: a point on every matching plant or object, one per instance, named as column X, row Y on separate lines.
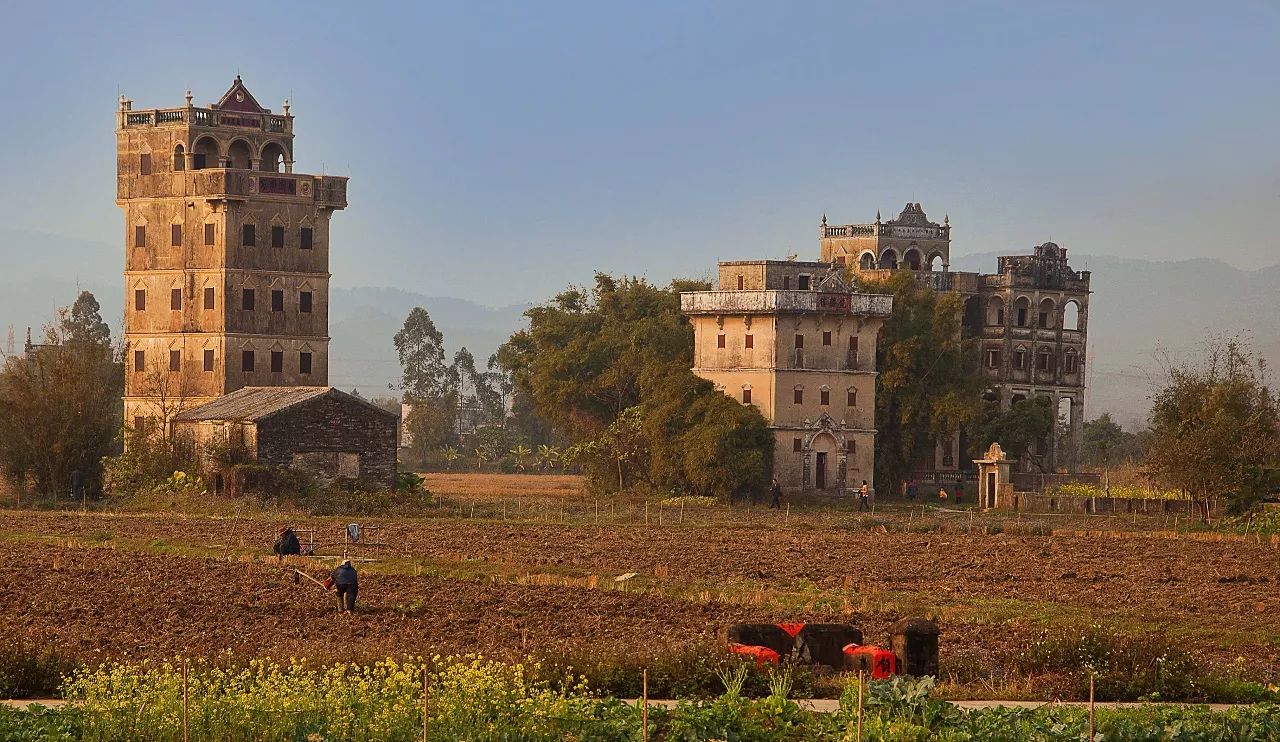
column 255, row 402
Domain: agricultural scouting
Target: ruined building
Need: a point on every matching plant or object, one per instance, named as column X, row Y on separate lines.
column 1029, row 319
column 226, row 254
column 794, row 340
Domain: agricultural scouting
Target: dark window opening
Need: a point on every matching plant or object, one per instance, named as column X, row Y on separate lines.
column 797, row 445
column 304, row 363
column 304, row 302
column 208, row 234
column 304, row 238
column 208, row 360
column 140, row 300
column 799, row 341
column 248, row 235
column 720, row 341
column 277, row 300
column 824, row 397
column 175, row 299
column 139, row 236
column 208, row 298
column 175, row 360
column 826, row 338
column 804, row 283
column 746, row 396
column 1072, row 363
column 786, row 283
column 1022, row 317
column 741, row 283
column 749, row 341
column 144, row 164
column 993, row 359
column 175, row 235
column 199, row 161
column 852, row 400
column 277, row 361
column 851, row 446
column 798, row 396
column 1044, row 319
column 246, row 299
column 1043, row 360
column 246, row 360
column 139, row 360
column 277, row 236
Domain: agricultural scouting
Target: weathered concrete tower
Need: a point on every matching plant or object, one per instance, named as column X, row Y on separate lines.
column 226, row 254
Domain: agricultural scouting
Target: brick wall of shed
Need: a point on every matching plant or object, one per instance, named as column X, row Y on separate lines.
column 333, row 425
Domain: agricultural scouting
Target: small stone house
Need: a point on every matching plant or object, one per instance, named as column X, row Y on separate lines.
column 314, row 428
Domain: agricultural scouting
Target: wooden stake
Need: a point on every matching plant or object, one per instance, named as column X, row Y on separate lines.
column 859, row 706
column 1090, row 708
column 646, row 513
column 186, row 721
column 787, row 517
column 644, row 705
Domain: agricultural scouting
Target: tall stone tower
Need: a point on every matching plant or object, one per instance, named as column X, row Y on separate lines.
column 226, row 254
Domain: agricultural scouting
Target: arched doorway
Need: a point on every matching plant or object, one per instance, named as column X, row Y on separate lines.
column 824, row 450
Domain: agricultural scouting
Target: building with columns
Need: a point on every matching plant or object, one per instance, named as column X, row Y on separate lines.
column 794, row 340
column 1028, row 320
column 226, row 254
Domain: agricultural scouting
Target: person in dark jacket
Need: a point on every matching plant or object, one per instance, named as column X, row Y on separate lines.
column 286, row 544
column 347, row 583
column 775, row 494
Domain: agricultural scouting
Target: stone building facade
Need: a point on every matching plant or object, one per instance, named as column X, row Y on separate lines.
column 1029, row 321
column 318, row 429
column 792, row 339
column 226, row 254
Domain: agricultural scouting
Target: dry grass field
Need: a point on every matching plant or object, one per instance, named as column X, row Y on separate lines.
column 518, row 565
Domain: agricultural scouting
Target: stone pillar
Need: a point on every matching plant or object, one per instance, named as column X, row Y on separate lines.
column 915, row 642
column 995, row 483
column 804, row 469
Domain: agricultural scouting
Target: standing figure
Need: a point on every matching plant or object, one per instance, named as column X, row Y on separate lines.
column 864, row 495
column 775, row 494
column 942, row 495
column 913, row 489
column 347, row 583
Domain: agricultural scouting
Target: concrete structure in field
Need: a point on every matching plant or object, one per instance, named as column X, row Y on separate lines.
column 794, row 340
column 1028, row 321
column 226, row 254
column 318, row 429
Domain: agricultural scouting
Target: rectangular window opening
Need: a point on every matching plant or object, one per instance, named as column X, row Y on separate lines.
column 799, row 341
column 248, row 236
column 140, row 300
column 304, row 363
column 852, row 399
column 720, row 340
column 139, row 360
column 797, row 445
column 798, row 396
column 824, row 397
column 209, row 233
column 208, row 297
column 144, row 164
column 208, row 360
column 749, row 342
column 175, row 360
column 304, row 238
column 277, row 300
column 277, row 361
column 277, row 236
column 746, row 396
column 741, row 282
column 304, row 302
column 826, row 338
column 247, row 299
column 175, row 235
column 140, row 236
column 246, row 360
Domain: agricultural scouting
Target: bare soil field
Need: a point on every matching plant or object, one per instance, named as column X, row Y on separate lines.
column 102, row 585
column 542, row 487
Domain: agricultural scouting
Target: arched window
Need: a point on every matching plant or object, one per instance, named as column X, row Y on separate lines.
column 995, row 312
column 798, row 393
column 851, row 397
column 1047, row 311
column 238, row 154
column 179, row 158
column 912, row 259
column 1071, row 316
column 204, row 153
column 935, row 262
column 867, row 261
column 1072, row 361
column 889, row 259
column 1021, row 311
column 746, row 394
column 273, row 158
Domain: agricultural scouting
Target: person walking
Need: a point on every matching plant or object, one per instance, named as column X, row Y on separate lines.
column 864, row 495
column 775, row 494
column 942, row 495
column 913, row 489
column 347, row 583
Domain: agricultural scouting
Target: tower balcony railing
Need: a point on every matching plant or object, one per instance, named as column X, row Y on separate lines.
column 329, row 191
column 786, row 302
column 190, row 115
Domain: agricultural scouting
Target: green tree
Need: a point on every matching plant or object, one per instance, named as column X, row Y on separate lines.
column 1103, row 440
column 421, row 349
column 1214, row 425
column 450, row 455
column 60, row 402
column 927, row 383
column 609, row 368
column 1018, row 428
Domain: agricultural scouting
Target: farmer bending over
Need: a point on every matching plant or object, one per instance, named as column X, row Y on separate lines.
column 286, row 544
column 347, row 584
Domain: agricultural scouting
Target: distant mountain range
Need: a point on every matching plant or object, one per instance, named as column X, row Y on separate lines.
column 1138, row 307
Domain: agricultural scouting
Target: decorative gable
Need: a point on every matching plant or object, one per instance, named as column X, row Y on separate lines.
column 238, row 98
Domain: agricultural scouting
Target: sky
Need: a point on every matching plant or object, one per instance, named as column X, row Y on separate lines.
column 501, row 151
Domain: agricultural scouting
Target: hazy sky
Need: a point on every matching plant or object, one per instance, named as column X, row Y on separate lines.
column 501, row 151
